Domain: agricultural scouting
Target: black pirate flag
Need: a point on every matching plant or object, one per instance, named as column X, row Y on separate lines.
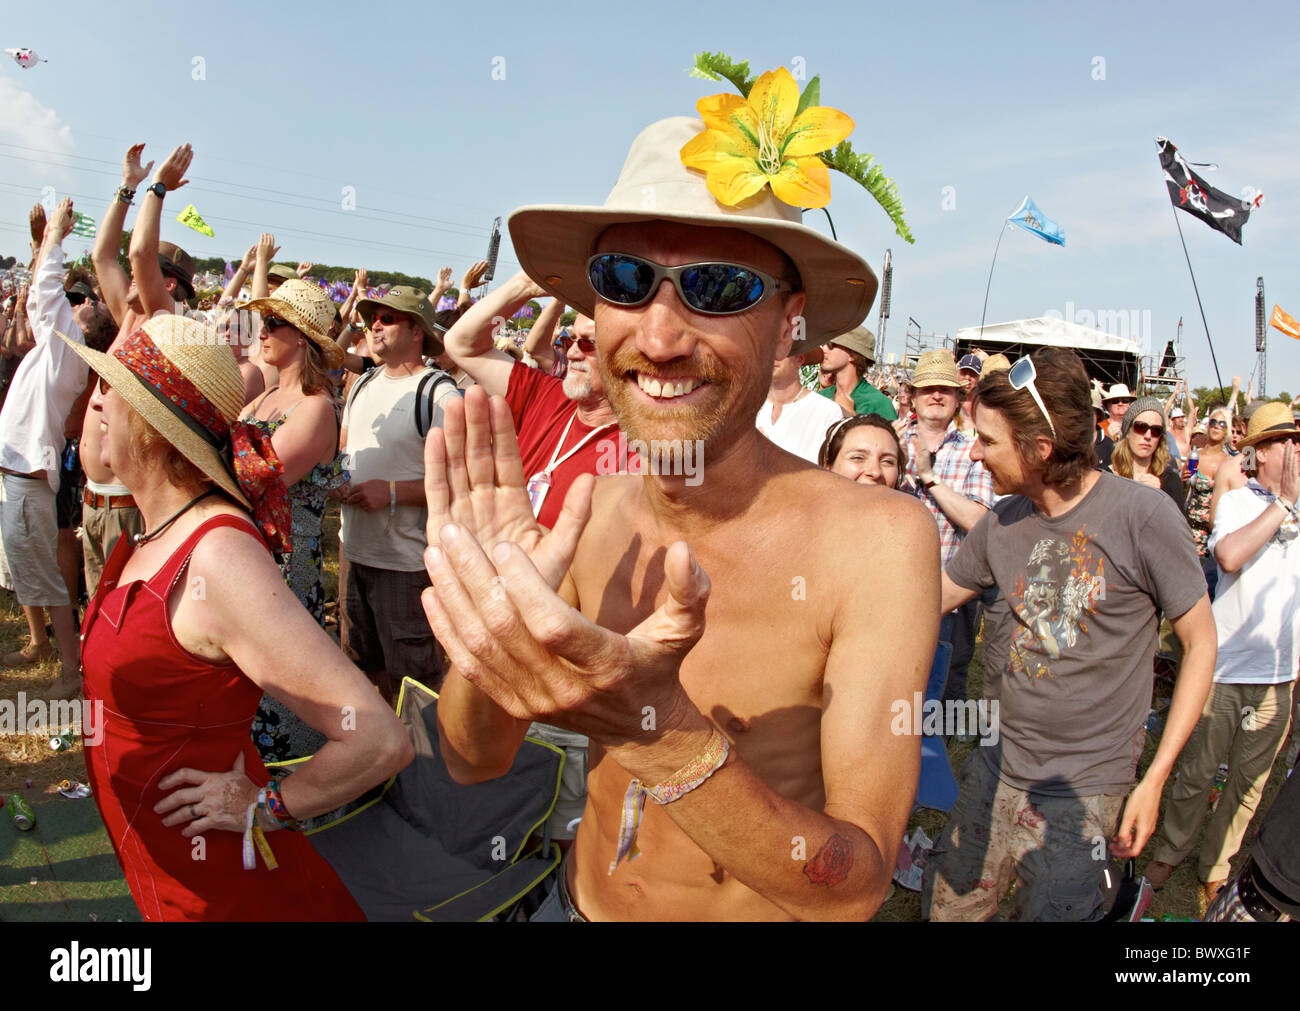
column 1191, row 193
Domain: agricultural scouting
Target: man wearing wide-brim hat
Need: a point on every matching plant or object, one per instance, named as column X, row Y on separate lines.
column 1256, row 542
column 845, row 360
column 711, row 750
column 383, row 508
column 957, row 490
column 1116, row 401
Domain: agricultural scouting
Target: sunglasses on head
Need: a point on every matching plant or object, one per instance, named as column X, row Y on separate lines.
column 1022, row 375
column 714, row 289
column 77, row 298
column 1142, row 428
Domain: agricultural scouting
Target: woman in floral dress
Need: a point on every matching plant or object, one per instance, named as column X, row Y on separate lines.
column 299, row 416
column 1200, row 489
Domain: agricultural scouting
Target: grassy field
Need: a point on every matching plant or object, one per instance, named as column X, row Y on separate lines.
column 27, row 764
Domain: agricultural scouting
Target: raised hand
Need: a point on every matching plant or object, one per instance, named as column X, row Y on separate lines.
column 61, row 224
column 303, row 269
column 133, row 173
column 444, row 278
column 266, row 248
column 36, row 221
column 172, row 172
column 1290, row 485
column 250, row 259
column 474, row 275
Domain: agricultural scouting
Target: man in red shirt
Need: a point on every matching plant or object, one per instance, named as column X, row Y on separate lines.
column 565, row 428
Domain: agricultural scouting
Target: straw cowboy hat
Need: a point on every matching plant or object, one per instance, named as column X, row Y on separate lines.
column 935, row 368
column 309, row 309
column 1270, row 421
column 554, row 241
column 187, row 347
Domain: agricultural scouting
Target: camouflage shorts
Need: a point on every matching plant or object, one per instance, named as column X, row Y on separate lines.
column 1054, row 850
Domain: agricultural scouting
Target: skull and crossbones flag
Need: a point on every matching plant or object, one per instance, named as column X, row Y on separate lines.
column 1190, row 193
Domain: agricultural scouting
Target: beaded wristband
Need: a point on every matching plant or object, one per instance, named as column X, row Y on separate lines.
column 676, row 786
column 125, row 195
column 270, row 799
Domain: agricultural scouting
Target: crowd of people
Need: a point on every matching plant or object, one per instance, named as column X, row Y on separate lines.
column 167, row 469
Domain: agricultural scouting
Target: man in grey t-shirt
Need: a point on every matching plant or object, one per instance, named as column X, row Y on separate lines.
column 1087, row 562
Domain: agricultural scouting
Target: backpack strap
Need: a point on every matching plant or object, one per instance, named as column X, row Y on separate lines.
column 365, row 378
column 424, row 405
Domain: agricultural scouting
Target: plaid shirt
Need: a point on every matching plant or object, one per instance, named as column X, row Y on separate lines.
column 954, row 467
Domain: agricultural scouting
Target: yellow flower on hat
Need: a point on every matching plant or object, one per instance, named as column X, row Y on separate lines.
column 764, row 139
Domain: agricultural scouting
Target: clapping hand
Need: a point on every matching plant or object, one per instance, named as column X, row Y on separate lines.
column 304, row 268
column 172, row 172
column 36, row 221
column 61, row 224
column 133, row 173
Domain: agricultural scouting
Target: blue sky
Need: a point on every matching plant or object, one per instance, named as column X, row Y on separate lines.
column 295, row 103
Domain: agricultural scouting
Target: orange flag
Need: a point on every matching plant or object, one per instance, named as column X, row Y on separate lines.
column 1286, row 323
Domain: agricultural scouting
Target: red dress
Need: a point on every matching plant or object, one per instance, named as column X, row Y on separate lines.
column 166, row 709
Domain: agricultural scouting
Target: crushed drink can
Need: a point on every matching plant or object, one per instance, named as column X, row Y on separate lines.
column 64, row 741
column 20, row 812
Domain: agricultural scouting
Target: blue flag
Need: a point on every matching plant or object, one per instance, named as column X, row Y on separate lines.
column 1031, row 219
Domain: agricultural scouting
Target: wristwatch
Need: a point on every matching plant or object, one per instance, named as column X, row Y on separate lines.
column 158, row 189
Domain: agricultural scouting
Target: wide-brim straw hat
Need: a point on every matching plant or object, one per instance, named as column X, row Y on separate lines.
column 554, row 241
column 309, row 309
column 935, row 368
column 208, row 365
column 1270, row 421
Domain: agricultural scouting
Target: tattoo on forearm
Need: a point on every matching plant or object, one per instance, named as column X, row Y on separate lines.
column 831, row 864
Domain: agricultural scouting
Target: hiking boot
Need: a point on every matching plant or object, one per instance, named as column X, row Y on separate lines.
column 68, row 686
column 28, row 655
column 1206, row 893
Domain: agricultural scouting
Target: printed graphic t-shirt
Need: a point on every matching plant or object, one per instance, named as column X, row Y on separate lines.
column 1085, row 590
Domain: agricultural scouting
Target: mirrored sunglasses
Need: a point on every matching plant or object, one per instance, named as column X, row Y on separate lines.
column 1022, row 375
column 714, row 289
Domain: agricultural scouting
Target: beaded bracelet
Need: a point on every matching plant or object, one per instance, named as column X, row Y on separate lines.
column 270, row 799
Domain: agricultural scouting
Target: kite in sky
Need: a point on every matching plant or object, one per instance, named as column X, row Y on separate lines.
column 25, row 58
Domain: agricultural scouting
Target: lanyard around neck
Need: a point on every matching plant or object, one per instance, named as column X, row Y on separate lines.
column 550, row 467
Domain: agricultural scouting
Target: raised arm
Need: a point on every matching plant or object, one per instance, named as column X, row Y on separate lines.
column 145, row 271
column 48, row 307
column 266, row 250
column 472, row 279
column 441, row 285
column 113, row 282
column 540, row 343
column 1235, row 549
column 469, row 341
column 236, row 283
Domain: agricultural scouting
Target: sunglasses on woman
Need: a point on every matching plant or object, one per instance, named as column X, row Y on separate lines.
column 273, row 323
column 1142, row 428
column 1022, row 376
column 714, row 289
column 1217, row 423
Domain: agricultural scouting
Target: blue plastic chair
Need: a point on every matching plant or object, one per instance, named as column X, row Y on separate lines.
column 938, row 786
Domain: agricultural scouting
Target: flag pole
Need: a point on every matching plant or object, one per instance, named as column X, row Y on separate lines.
column 1198, row 303
column 984, row 311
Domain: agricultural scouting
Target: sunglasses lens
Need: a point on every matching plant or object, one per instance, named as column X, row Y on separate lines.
column 624, row 280
column 721, row 288
column 1022, row 373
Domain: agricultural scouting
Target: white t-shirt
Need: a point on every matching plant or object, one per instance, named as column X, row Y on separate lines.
column 47, row 382
column 1257, row 608
column 802, row 426
column 384, row 446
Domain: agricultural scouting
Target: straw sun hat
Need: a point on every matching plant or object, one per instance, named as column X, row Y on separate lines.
column 186, row 385
column 554, row 241
column 1270, row 421
column 309, row 309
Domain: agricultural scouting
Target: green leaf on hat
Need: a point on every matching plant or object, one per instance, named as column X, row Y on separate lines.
column 860, row 169
column 720, row 67
column 812, row 95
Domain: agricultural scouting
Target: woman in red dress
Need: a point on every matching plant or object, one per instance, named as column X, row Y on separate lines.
column 190, row 625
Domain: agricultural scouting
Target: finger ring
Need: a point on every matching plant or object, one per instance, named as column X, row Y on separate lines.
column 193, row 813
